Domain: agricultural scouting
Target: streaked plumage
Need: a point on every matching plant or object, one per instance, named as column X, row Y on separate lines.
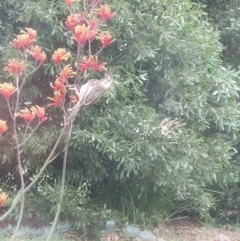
column 88, row 93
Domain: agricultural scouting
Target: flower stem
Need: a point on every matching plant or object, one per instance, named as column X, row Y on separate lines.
column 23, row 191
column 20, row 168
column 61, row 194
column 19, row 219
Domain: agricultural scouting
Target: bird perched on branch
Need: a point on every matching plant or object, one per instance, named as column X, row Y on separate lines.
column 88, row 93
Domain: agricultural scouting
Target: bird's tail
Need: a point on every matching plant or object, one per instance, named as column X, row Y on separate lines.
column 71, row 113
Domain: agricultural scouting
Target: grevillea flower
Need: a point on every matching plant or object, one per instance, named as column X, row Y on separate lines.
column 84, row 65
column 30, row 32
column 7, row 90
column 15, row 67
column 75, row 19
column 69, row 2
column 93, row 23
column 72, row 21
column 25, row 39
column 37, row 54
column 67, row 73
column 39, row 112
column 105, row 38
column 104, row 12
column 58, row 84
column 59, row 98
column 60, row 55
column 3, row 198
column 93, row 61
column 22, row 41
column 27, row 115
column 81, row 34
column 92, row 34
column 3, row 128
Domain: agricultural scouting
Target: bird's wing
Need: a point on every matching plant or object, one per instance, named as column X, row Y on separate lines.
column 86, row 90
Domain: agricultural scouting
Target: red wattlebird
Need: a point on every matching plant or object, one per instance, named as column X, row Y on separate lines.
column 88, row 93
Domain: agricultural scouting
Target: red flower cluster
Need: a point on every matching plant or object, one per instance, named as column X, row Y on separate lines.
column 7, row 90
column 37, row 54
column 29, row 114
column 66, row 73
column 69, row 2
column 59, row 97
column 82, row 33
column 105, row 38
column 15, row 67
column 39, row 112
column 84, row 27
column 75, row 19
column 104, row 12
column 25, row 39
column 92, row 63
column 60, row 55
column 59, row 86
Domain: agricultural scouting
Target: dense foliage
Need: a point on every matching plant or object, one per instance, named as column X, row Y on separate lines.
column 168, row 130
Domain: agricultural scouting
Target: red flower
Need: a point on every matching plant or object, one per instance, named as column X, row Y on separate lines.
column 30, row 32
column 39, row 112
column 3, row 198
column 105, row 38
column 59, row 98
column 7, row 90
column 67, row 73
column 73, row 20
column 93, row 23
column 25, row 39
column 58, row 84
column 81, row 34
column 3, row 128
column 104, row 12
column 37, row 54
column 69, row 2
column 60, row 55
column 22, row 41
column 93, row 61
column 92, row 34
column 85, row 65
column 27, row 115
column 15, row 67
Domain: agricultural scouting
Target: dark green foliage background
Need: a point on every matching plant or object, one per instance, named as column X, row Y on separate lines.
column 172, row 59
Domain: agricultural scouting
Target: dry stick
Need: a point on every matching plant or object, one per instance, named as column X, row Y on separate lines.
column 23, row 191
column 59, row 205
